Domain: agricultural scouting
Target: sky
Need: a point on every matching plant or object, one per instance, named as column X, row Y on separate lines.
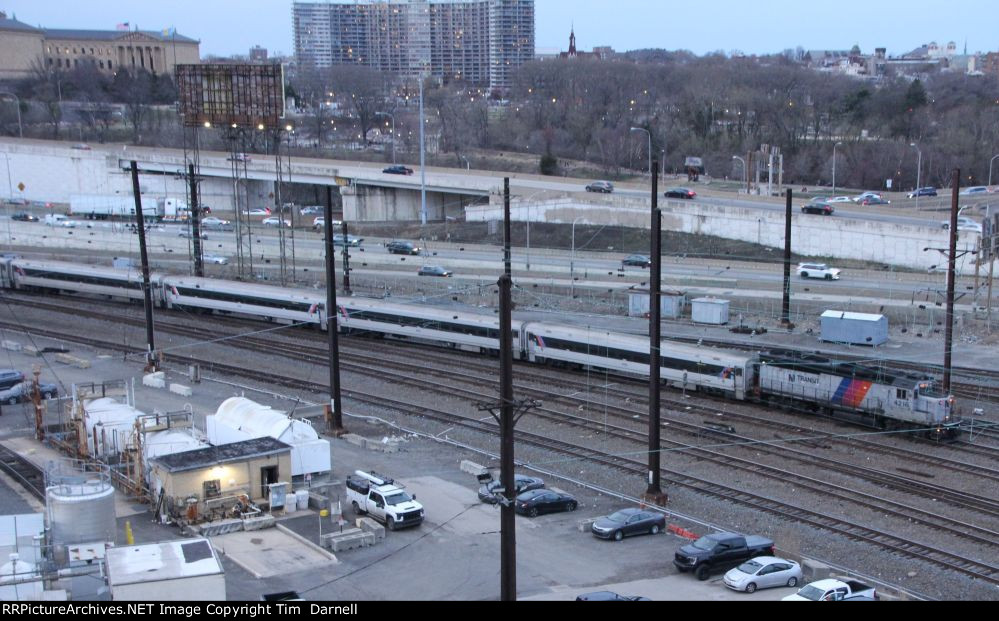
column 227, row 27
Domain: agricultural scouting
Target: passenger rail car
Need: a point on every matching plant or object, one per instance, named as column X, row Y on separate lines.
column 879, row 397
column 295, row 306
column 692, row 368
column 59, row 277
column 465, row 331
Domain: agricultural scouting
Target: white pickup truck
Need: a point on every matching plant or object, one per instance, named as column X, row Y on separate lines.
column 818, row 270
column 379, row 496
column 832, row 590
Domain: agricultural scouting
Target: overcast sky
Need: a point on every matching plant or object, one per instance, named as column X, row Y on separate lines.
column 228, row 27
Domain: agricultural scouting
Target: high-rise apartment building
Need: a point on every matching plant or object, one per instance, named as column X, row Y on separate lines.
column 476, row 41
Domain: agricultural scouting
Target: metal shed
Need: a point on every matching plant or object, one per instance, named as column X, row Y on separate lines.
column 672, row 304
column 854, row 328
column 710, row 311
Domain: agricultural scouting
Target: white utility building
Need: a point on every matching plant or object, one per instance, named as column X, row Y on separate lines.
column 239, row 419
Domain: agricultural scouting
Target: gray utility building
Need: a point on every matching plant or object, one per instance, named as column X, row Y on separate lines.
column 854, row 328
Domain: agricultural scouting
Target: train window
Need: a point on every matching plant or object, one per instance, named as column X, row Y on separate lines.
column 902, row 393
column 119, row 283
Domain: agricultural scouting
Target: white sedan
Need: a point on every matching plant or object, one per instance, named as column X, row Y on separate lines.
column 763, row 572
column 216, row 259
column 818, row 270
column 840, row 199
column 276, row 222
column 963, row 224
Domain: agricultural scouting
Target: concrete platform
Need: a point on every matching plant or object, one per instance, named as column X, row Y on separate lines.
column 267, row 553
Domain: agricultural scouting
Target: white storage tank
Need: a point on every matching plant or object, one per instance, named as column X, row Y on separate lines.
column 79, row 503
column 303, row 499
column 854, row 328
column 109, row 426
column 12, row 575
column 239, row 419
column 710, row 311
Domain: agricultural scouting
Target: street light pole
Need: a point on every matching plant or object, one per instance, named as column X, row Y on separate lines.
column 642, row 129
column 423, row 161
column 391, row 116
column 990, row 168
column 919, row 172
column 834, row 166
column 17, row 102
column 745, row 169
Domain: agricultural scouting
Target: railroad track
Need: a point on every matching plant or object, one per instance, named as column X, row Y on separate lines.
column 27, row 474
column 884, row 540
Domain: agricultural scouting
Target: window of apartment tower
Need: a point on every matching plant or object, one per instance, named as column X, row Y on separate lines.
column 101, row 62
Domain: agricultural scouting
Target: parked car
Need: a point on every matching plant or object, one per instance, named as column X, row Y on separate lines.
column 351, row 241
column 538, row 501
column 818, row 270
column 978, row 189
column 403, row 247
column 963, row 224
column 521, row 483
column 259, row 211
column 23, row 216
column 276, row 222
column 81, row 146
column 609, row 596
column 398, row 170
column 680, row 193
column 19, row 393
column 874, row 200
column 832, row 590
column 922, row 192
column 189, row 234
column 604, row 187
column 861, row 197
column 214, row 223
column 763, row 572
column 637, row 260
column 822, row 209
column 215, row 259
column 10, row 377
column 628, row 522
column 434, row 270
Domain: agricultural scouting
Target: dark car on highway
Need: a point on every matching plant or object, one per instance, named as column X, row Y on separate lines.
column 23, row 216
column 354, row 242
column 628, row 522
column 434, row 270
column 680, row 193
column 874, row 200
column 822, row 209
column 538, row 501
column 923, row 192
column 637, row 260
column 398, row 170
column 403, row 247
column 521, row 483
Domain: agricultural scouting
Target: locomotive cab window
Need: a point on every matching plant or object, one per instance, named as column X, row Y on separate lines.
column 902, row 393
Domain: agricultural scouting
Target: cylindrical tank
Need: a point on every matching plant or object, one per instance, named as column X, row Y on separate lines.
column 12, row 574
column 303, row 499
column 79, row 503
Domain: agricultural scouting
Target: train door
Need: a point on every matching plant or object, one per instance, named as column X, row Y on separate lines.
column 6, row 278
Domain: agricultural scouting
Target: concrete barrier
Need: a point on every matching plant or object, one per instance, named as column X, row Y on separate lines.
column 259, row 523
column 31, row 350
column 368, row 525
column 12, row 346
column 470, row 467
column 584, row 525
column 356, row 440
column 221, row 527
column 180, row 389
column 349, row 539
column 154, row 380
column 72, row 361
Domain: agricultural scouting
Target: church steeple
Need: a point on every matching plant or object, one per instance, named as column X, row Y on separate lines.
column 572, row 42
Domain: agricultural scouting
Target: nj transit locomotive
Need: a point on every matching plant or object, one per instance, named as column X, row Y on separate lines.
column 877, row 397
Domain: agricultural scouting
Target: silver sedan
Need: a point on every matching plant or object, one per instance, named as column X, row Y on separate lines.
column 763, row 572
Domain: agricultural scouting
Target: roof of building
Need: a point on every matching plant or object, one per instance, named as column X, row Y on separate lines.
column 13, row 24
column 835, row 314
column 222, row 454
column 162, row 561
column 112, row 35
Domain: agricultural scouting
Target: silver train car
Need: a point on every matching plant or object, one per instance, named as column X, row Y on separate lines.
column 225, row 297
column 61, row 277
column 716, row 371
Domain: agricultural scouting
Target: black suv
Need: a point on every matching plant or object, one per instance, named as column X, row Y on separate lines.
column 403, row 247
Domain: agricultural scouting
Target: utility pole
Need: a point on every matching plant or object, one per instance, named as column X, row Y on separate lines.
column 334, row 411
column 423, row 161
column 147, row 297
column 785, row 317
column 199, row 263
column 951, row 277
column 346, row 258
column 507, row 267
column 654, row 493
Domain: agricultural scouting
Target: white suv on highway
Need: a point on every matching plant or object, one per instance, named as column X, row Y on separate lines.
column 818, row 270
